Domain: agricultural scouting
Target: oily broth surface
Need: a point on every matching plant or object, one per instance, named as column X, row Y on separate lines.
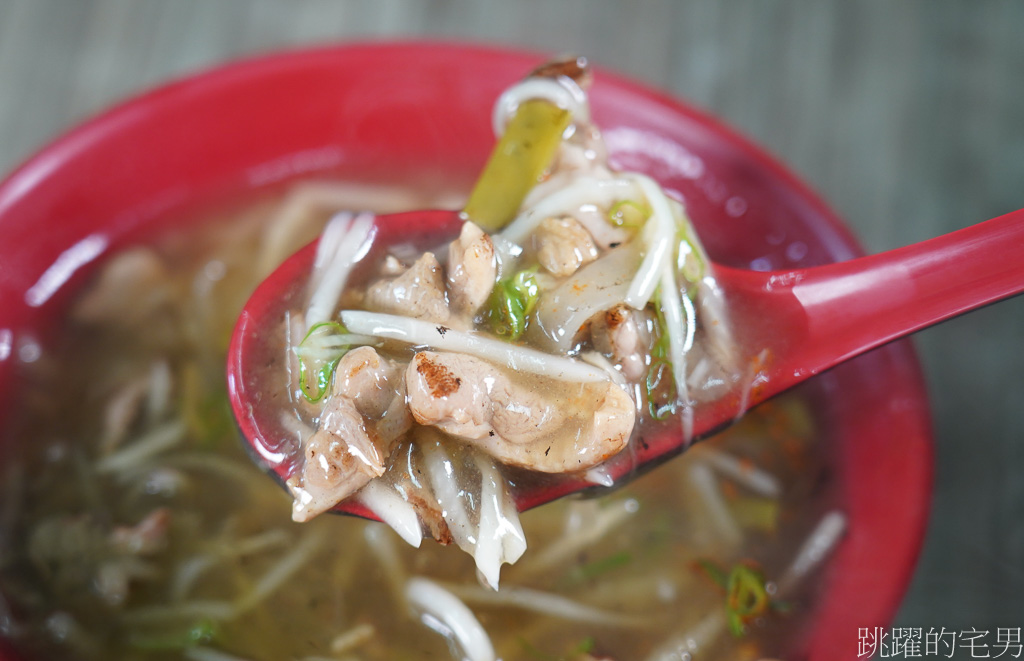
column 229, row 530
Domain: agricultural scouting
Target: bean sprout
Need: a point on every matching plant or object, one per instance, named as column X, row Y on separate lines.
column 445, row 613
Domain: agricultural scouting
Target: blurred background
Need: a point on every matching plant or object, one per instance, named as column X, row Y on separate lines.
column 907, row 117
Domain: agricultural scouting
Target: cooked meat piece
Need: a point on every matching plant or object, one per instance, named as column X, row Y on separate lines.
column 432, row 518
column 359, row 427
column 550, row 427
column 472, row 269
column 470, row 398
column 341, row 457
column 563, row 246
column 366, row 378
column 418, row 293
column 622, row 334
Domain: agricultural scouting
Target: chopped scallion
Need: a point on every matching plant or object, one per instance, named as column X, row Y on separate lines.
column 511, row 302
column 746, row 595
column 629, row 214
column 319, row 353
column 691, row 261
column 660, row 382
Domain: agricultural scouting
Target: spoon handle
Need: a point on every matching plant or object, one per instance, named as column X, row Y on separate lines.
column 860, row 304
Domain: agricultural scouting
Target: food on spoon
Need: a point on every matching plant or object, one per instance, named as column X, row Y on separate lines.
column 566, row 317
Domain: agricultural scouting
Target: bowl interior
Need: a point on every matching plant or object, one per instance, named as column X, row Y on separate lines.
column 405, row 109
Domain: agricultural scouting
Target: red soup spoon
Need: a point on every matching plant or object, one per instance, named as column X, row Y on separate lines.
column 809, row 319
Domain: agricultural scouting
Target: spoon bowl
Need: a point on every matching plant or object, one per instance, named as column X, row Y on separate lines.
column 808, row 321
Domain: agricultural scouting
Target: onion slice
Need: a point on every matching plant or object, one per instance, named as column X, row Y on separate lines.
column 435, row 336
column 598, row 286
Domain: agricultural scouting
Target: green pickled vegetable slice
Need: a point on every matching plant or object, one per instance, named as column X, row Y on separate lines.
column 517, row 163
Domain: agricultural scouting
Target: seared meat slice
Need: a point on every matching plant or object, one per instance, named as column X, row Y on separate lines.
column 367, row 379
column 360, row 424
column 563, row 245
column 551, row 427
column 472, row 269
column 622, row 333
column 418, row 293
column 470, row 398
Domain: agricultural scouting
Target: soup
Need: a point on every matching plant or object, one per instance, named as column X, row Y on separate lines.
column 135, row 526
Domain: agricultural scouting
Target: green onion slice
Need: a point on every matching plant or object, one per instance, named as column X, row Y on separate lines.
column 319, row 353
column 660, row 376
column 629, row 214
column 691, row 262
column 511, row 302
column 746, row 595
column 746, row 592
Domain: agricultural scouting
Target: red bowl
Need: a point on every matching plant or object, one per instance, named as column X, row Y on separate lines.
column 366, row 109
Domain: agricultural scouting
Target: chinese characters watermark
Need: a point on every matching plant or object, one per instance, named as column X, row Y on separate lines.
column 915, row 643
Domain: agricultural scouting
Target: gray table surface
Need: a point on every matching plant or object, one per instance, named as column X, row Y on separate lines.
column 908, row 117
